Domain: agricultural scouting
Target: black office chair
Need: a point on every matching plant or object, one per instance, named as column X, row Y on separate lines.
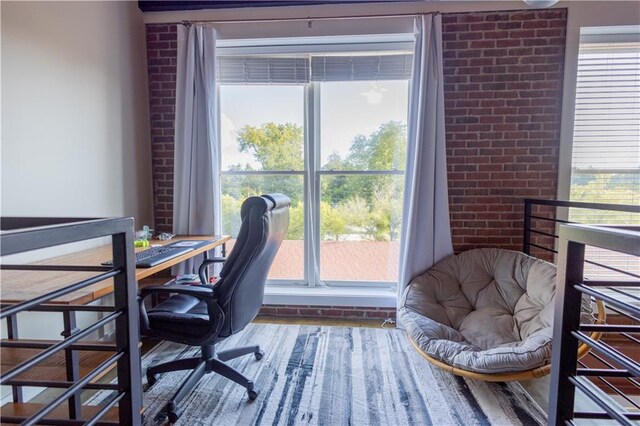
column 204, row 315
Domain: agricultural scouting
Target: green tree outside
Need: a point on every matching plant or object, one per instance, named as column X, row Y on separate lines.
column 360, row 207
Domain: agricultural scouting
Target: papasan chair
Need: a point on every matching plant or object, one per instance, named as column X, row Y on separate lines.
column 486, row 314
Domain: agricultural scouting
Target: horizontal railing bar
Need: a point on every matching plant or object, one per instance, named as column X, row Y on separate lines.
column 619, row 392
column 623, row 313
column 65, row 308
column 71, row 268
column 610, row 328
column 94, row 420
column 594, row 283
column 550, row 219
column 606, row 237
column 624, row 293
column 604, row 372
column 533, row 231
column 21, row 240
column 52, row 422
column 630, row 337
column 602, row 348
column 77, row 347
column 634, row 382
column 611, row 268
column 584, row 205
column 543, row 248
column 58, row 347
column 73, row 389
column 602, row 416
column 610, row 301
column 23, row 306
column 605, row 405
column 60, row 384
column 604, row 361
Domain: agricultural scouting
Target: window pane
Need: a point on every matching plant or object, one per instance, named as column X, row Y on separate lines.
column 262, row 127
column 363, row 125
column 360, row 220
column 606, row 144
column 289, row 263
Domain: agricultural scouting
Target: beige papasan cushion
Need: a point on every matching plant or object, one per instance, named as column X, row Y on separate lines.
column 484, row 310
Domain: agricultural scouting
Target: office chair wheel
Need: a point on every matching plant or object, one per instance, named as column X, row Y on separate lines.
column 252, row 394
column 172, row 417
column 152, row 379
column 259, row 355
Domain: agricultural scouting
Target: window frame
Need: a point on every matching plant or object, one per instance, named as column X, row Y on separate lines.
column 313, row 172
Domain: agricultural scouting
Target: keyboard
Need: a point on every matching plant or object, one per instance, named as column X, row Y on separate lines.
column 155, row 255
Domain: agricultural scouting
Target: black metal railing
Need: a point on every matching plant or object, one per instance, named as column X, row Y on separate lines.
column 21, row 235
column 541, row 219
column 620, row 296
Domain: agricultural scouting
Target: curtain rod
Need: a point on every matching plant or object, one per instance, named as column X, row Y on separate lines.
column 309, row 19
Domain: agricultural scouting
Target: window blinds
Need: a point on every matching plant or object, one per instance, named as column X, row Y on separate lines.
column 300, row 70
column 347, row 68
column 606, row 135
column 606, row 143
column 260, row 69
column 607, row 112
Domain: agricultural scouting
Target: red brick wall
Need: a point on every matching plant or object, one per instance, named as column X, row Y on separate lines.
column 162, row 62
column 503, row 95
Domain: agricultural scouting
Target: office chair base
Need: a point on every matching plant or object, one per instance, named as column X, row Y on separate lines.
column 206, row 363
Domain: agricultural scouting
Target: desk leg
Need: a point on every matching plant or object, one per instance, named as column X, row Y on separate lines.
column 12, row 333
column 72, row 363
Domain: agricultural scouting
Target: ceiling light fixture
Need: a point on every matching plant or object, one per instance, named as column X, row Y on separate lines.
column 540, row 3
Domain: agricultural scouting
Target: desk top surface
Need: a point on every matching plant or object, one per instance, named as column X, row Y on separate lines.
column 17, row 286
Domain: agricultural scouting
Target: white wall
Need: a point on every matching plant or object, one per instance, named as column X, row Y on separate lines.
column 75, row 117
column 75, row 120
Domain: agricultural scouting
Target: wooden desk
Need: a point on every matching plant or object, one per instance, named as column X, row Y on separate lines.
column 17, row 286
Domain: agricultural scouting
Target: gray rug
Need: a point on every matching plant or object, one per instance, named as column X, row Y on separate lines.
column 336, row 376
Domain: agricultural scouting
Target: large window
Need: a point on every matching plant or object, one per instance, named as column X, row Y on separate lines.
column 606, row 139
column 328, row 129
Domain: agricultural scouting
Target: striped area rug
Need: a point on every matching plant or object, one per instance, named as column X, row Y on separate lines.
column 320, row 375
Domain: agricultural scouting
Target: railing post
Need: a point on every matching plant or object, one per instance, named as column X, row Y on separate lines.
column 564, row 355
column 12, row 333
column 72, row 363
column 127, row 328
column 526, row 238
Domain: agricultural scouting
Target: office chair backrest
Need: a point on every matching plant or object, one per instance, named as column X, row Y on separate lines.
column 240, row 291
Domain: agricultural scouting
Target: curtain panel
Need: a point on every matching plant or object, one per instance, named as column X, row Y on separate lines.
column 426, row 232
column 196, row 189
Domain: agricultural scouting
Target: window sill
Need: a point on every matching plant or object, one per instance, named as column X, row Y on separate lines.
column 330, row 296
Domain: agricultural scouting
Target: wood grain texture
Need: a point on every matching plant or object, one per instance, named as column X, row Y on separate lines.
column 17, row 286
column 27, row 409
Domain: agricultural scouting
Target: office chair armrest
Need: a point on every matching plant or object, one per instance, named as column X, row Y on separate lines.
column 199, row 291
column 205, row 293
column 205, row 264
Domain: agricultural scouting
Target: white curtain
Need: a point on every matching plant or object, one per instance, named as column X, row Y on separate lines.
column 196, row 187
column 426, row 233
